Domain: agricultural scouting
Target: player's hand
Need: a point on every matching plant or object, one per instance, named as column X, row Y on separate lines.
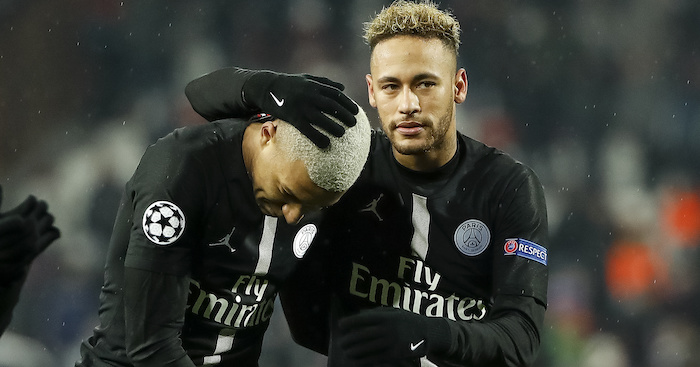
column 23, row 209
column 17, row 238
column 46, row 231
column 25, row 231
column 303, row 100
column 385, row 334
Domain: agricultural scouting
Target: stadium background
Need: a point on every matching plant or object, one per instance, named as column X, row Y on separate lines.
column 601, row 98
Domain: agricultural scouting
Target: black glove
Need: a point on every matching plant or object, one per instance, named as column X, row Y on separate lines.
column 25, row 232
column 302, row 100
column 17, row 236
column 387, row 334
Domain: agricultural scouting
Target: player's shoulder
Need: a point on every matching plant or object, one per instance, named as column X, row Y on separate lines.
column 188, row 139
column 193, row 143
column 190, row 149
column 494, row 162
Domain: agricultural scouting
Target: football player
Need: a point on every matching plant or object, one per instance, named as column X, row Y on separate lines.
column 213, row 220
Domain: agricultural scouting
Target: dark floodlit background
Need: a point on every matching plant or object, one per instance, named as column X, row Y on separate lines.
column 601, row 98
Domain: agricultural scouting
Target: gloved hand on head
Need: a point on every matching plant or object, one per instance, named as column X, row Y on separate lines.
column 303, row 100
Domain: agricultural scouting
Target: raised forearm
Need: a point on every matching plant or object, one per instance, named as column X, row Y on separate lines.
column 219, row 94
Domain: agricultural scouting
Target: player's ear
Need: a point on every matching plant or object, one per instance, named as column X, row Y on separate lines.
column 370, row 91
column 461, row 85
column 268, row 132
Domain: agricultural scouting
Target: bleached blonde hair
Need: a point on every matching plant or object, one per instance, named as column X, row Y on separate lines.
column 336, row 167
column 407, row 18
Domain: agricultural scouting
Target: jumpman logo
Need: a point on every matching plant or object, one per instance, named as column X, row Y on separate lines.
column 225, row 241
column 372, row 207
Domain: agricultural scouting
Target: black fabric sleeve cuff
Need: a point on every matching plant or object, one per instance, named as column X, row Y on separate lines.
column 219, row 94
column 438, row 335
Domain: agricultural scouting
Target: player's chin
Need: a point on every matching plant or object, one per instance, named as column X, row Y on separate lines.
column 410, row 146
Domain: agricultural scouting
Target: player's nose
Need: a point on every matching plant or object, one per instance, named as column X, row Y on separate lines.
column 292, row 213
column 409, row 102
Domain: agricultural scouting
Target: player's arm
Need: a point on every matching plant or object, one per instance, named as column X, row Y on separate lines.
column 9, row 296
column 155, row 312
column 510, row 334
column 305, row 101
column 219, row 94
column 156, row 286
column 389, row 335
column 156, row 272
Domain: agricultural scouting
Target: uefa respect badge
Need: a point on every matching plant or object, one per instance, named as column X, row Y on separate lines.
column 526, row 249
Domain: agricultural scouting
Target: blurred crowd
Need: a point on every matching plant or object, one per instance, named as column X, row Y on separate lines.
column 601, row 98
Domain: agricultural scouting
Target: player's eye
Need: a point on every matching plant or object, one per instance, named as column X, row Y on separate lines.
column 285, row 192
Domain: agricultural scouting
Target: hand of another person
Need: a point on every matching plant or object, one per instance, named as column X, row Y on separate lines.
column 303, row 100
column 25, row 231
column 17, row 238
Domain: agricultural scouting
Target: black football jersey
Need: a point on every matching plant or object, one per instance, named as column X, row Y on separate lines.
column 193, row 267
column 449, row 243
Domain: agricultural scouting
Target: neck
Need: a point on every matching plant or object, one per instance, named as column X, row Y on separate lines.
column 429, row 160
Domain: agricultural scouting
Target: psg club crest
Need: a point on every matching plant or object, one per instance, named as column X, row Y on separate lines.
column 163, row 222
column 303, row 239
column 472, row 237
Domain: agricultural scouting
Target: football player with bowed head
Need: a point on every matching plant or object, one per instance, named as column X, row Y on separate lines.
column 213, row 220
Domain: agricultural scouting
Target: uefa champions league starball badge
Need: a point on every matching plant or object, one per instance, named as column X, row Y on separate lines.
column 163, row 222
